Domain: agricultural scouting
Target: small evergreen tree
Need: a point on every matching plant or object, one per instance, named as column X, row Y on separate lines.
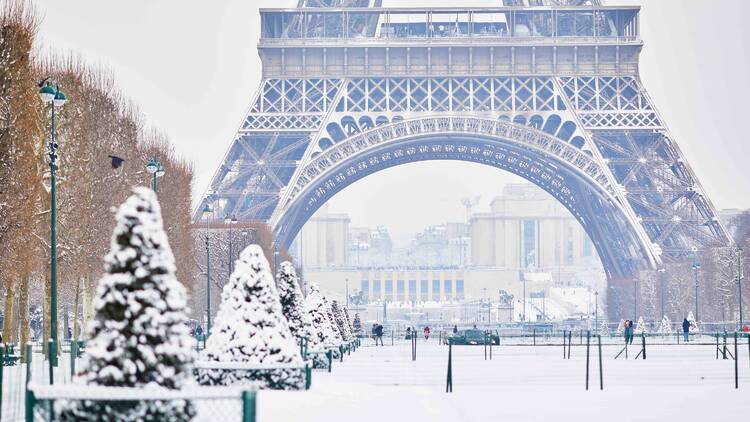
column 337, row 336
column 357, row 326
column 640, row 326
column 666, row 325
column 621, row 327
column 292, row 302
column 693, row 323
column 348, row 320
column 323, row 336
column 604, row 328
column 139, row 335
column 343, row 326
column 250, row 328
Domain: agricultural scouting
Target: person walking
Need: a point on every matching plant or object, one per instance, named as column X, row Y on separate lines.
column 631, row 331
column 455, row 329
column 408, row 333
column 379, row 334
column 426, row 332
column 625, row 331
column 686, row 329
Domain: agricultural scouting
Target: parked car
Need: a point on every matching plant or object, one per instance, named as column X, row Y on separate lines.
column 472, row 337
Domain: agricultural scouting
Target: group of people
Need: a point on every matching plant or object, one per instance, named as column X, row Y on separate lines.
column 628, row 331
column 377, row 333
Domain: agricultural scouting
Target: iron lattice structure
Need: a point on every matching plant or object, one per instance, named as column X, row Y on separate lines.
column 548, row 90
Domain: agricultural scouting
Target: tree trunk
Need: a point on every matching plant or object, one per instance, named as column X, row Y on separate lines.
column 23, row 312
column 76, row 302
column 8, row 322
column 88, row 302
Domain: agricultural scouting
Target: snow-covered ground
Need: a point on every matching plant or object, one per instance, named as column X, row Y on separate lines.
column 520, row 383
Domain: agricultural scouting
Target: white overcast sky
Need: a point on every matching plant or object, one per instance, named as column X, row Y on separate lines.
column 192, row 67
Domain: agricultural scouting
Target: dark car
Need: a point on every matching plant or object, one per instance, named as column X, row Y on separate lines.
column 472, row 337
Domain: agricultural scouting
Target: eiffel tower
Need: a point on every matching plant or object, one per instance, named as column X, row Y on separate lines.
column 546, row 89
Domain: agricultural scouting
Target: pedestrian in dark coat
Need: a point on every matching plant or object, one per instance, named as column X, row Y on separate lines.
column 686, row 329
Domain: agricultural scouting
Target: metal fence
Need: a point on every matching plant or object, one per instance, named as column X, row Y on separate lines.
column 74, row 402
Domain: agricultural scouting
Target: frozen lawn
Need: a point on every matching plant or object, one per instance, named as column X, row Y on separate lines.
column 521, row 383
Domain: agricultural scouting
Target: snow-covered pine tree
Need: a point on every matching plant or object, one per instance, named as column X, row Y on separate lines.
column 250, row 328
column 338, row 337
column 693, row 323
column 604, row 328
column 338, row 315
column 621, row 327
column 323, row 337
column 139, row 335
column 348, row 320
column 640, row 326
column 357, row 326
column 292, row 301
column 666, row 325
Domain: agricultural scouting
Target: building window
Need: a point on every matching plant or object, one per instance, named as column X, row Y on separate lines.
column 413, row 290
column 366, row 289
column 400, row 290
column 376, row 289
column 424, row 290
column 436, row 290
column 528, row 243
column 389, row 290
column 459, row 289
column 448, row 289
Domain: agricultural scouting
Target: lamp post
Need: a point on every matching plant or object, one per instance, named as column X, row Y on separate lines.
column 207, row 211
column 696, row 267
column 275, row 258
column 596, row 310
column 55, row 98
column 154, row 167
column 738, row 250
column 230, row 221
column 662, row 271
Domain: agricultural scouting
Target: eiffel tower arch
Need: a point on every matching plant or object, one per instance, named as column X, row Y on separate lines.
column 547, row 90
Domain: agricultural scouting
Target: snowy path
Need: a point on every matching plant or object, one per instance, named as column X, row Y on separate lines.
column 683, row 383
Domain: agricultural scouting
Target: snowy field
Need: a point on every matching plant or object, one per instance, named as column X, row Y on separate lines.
column 521, row 383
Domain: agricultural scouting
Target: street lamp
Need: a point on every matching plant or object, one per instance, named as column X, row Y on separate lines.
column 662, row 271
column 55, row 98
column 738, row 250
column 230, row 221
column 207, row 211
column 696, row 267
column 596, row 310
column 154, row 167
column 275, row 258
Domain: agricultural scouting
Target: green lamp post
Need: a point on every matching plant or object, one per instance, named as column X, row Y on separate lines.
column 207, row 213
column 155, row 168
column 54, row 98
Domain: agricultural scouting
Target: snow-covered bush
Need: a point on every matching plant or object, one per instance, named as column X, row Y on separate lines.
column 292, row 301
column 341, row 323
column 323, row 337
column 666, row 325
column 251, row 329
column 640, row 326
column 139, row 336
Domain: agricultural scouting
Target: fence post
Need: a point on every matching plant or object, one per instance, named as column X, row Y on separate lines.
column 449, row 380
column 485, row 344
column 565, row 336
column 588, row 344
column 570, row 340
column 643, row 337
column 724, row 351
column 534, row 334
column 601, row 374
column 329, row 355
column 73, row 353
column 717, row 346
column 308, row 377
column 498, row 341
column 248, row 406
column 736, row 363
column 51, row 367
column 30, row 401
